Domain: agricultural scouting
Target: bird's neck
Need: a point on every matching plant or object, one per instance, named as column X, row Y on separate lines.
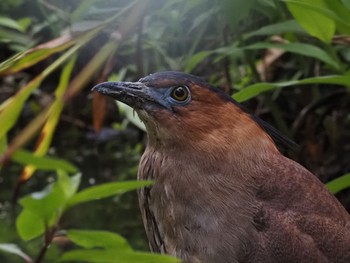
column 230, row 143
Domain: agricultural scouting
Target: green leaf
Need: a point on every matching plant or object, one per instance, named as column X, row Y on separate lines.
column 256, row 89
column 236, row 10
column 302, row 49
column 47, row 132
column 277, row 28
column 14, row 249
column 346, row 3
column 69, row 185
column 326, row 11
column 116, row 256
column 95, row 239
column 3, row 144
column 43, row 209
column 106, row 190
column 339, row 184
column 34, row 55
column 341, row 11
column 253, row 90
column 46, row 204
column 10, row 23
column 193, row 61
column 24, row 23
column 317, row 24
column 43, row 162
column 29, row 225
column 13, row 106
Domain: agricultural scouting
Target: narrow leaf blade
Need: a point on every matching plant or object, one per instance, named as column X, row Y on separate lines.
column 14, row 249
column 106, row 190
column 116, row 256
column 95, row 239
column 339, row 184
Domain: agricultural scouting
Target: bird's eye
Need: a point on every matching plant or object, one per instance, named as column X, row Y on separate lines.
column 180, row 93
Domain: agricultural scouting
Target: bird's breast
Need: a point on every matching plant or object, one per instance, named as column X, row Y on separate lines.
column 189, row 208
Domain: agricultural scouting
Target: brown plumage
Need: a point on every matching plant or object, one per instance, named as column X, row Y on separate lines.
column 223, row 192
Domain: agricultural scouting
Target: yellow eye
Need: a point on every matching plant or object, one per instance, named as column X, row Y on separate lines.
column 180, row 93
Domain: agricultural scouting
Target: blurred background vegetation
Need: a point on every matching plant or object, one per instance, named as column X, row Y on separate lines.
column 286, row 60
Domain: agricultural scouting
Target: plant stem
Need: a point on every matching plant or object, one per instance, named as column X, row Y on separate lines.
column 49, row 234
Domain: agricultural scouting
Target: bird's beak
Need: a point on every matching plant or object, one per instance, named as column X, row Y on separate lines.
column 135, row 94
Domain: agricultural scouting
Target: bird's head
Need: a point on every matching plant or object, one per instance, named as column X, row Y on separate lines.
column 182, row 110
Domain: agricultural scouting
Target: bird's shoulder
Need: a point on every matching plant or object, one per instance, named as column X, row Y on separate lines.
column 285, row 185
column 289, row 236
column 297, row 218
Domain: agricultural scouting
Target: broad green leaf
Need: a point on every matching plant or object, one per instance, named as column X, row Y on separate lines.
column 339, row 184
column 256, row 89
column 302, row 49
column 326, row 11
column 341, row 10
column 317, row 24
column 68, row 184
column 43, row 162
column 346, row 3
column 47, row 204
column 193, row 61
column 14, row 249
column 116, row 256
column 29, row 225
column 102, row 239
column 277, row 28
column 43, row 209
column 106, row 190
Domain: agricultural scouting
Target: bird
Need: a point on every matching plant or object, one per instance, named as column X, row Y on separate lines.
column 222, row 190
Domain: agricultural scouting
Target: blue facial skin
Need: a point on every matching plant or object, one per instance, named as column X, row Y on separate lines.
column 140, row 96
column 162, row 96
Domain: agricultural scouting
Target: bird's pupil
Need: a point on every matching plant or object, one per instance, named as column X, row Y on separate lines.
column 180, row 92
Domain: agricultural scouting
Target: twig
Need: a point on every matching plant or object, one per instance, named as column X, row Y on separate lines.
column 49, row 234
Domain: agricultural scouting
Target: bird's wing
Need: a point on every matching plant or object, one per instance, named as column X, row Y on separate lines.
column 153, row 234
column 298, row 219
column 286, row 236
